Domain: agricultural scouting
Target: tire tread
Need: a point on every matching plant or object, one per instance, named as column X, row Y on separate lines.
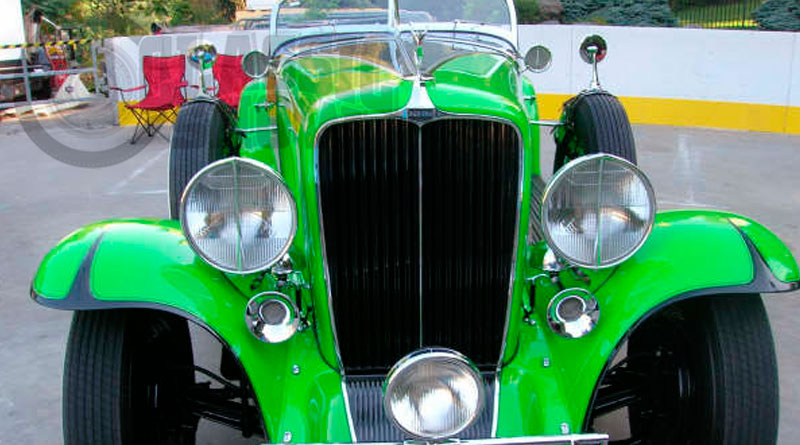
column 199, row 138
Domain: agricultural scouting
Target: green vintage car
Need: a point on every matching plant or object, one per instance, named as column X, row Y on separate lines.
column 369, row 238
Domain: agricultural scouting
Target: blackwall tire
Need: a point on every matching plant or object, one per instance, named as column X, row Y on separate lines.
column 202, row 135
column 703, row 372
column 596, row 122
column 124, row 376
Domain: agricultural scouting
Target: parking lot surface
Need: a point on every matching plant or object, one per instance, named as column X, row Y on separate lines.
column 42, row 200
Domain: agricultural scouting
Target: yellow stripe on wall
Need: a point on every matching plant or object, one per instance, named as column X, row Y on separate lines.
column 694, row 113
column 126, row 117
column 655, row 111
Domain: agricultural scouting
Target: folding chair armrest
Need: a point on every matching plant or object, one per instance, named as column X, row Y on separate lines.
column 122, row 91
column 127, row 90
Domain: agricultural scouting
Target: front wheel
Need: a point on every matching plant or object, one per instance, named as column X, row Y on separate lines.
column 203, row 133
column 699, row 372
column 125, row 374
column 594, row 122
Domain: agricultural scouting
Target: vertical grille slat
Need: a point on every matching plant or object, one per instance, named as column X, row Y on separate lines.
column 467, row 248
column 419, row 231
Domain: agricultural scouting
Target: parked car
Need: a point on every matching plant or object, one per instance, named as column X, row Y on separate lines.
column 369, row 238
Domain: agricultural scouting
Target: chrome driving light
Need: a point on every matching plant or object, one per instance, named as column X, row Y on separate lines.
column 238, row 215
column 433, row 393
column 272, row 317
column 597, row 211
column 573, row 313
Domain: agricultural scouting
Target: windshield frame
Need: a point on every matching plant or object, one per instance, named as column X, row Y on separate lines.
column 393, row 25
column 284, row 53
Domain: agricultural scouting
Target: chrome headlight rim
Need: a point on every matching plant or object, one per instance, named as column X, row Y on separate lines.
column 196, row 249
column 559, row 176
column 421, row 355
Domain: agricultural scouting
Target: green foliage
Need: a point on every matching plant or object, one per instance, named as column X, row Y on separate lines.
column 50, row 8
column 577, row 10
column 635, row 13
column 528, row 11
column 778, row 15
column 620, row 12
column 105, row 18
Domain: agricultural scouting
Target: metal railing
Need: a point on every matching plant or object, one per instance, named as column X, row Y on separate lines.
column 717, row 14
column 27, row 72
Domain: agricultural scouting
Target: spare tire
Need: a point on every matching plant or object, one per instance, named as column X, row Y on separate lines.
column 594, row 122
column 203, row 134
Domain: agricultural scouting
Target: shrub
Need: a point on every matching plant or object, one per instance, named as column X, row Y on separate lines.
column 620, row 12
column 528, row 11
column 778, row 15
column 635, row 13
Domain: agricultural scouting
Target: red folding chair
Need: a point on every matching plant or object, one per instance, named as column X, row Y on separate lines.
column 165, row 82
column 230, row 78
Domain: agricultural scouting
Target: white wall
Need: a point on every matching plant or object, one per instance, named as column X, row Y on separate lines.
column 12, row 28
column 715, row 65
column 124, row 54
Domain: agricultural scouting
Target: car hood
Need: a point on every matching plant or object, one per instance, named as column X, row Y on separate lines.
column 316, row 90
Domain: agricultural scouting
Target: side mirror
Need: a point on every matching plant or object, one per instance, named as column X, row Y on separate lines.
column 255, row 64
column 202, row 55
column 538, row 59
column 593, row 49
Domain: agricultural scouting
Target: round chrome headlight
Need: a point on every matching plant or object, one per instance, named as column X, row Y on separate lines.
column 433, row 393
column 238, row 215
column 597, row 211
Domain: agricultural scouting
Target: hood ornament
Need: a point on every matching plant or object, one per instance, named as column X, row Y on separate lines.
column 420, row 107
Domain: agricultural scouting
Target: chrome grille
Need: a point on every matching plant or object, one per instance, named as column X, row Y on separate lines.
column 419, row 227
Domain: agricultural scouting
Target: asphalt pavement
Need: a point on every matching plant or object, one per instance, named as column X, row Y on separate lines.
column 43, row 199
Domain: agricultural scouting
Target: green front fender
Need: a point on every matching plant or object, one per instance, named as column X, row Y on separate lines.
column 547, row 385
column 141, row 263
column 552, row 380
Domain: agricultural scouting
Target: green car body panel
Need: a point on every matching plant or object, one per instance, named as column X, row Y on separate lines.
column 687, row 252
column 545, row 380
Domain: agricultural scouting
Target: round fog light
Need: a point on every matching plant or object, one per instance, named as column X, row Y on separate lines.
column 272, row 317
column 573, row 313
column 433, row 393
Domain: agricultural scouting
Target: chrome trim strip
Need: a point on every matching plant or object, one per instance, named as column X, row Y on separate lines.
column 572, row 439
column 544, row 123
column 496, row 403
column 400, row 115
column 350, row 423
column 421, row 266
column 256, row 129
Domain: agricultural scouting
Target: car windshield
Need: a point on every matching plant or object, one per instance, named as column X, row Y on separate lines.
column 377, row 50
column 482, row 12
column 294, row 16
column 445, row 29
